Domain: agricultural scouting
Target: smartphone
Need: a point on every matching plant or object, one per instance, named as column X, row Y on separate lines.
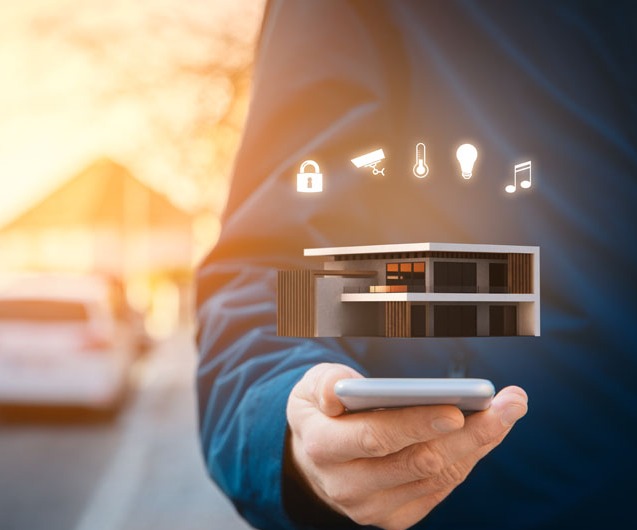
column 469, row 395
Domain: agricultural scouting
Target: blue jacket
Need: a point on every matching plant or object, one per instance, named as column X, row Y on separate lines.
column 552, row 82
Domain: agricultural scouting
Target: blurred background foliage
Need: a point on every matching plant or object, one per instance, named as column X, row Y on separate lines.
column 150, row 92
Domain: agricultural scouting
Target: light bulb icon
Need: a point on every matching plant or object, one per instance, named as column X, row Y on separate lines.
column 466, row 155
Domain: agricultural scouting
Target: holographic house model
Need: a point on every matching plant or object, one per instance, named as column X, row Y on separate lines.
column 413, row 290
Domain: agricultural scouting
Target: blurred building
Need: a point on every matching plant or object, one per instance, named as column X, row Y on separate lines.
column 105, row 221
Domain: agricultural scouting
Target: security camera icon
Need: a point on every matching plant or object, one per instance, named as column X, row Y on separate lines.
column 371, row 160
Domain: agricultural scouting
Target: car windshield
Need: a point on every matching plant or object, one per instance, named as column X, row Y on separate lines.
column 42, row 310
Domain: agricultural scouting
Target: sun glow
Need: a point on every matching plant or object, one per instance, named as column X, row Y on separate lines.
column 83, row 79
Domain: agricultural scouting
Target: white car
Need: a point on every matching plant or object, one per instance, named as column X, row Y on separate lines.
column 61, row 344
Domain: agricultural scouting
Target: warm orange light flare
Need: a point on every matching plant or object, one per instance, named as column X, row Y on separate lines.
column 144, row 83
column 118, row 125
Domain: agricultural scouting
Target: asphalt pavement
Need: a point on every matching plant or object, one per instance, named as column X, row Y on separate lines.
column 141, row 471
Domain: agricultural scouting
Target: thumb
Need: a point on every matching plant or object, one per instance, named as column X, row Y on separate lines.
column 320, row 381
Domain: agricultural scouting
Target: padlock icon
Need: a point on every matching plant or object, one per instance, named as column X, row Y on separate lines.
column 309, row 181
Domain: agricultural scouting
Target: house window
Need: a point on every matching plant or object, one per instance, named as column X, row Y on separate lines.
column 392, row 274
column 455, row 277
column 498, row 278
column 455, row 321
column 418, row 320
column 503, row 320
column 410, row 274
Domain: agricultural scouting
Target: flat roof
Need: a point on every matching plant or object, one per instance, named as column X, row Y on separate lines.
column 440, row 297
column 420, row 247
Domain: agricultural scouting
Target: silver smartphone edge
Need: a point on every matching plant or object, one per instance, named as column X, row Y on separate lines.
column 374, row 393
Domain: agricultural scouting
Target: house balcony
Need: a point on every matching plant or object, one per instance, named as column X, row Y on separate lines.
column 385, row 289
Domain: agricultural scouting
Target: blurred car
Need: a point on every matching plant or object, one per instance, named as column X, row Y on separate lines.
column 62, row 344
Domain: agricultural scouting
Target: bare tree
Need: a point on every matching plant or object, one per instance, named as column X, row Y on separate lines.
column 182, row 68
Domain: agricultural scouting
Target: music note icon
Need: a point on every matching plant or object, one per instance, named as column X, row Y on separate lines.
column 524, row 182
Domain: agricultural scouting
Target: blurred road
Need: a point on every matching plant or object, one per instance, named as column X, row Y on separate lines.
column 141, row 471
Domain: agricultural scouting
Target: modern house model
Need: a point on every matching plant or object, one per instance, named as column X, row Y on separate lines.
column 413, row 290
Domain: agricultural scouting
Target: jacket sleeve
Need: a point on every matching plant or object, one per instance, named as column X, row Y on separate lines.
column 246, row 371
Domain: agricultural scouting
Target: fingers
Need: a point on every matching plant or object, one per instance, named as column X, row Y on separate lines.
column 511, row 403
column 485, row 430
column 415, row 500
column 391, row 467
column 444, row 462
column 447, row 459
column 331, row 437
column 379, row 433
column 317, row 387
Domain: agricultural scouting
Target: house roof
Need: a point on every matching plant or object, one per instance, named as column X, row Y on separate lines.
column 420, row 247
column 105, row 194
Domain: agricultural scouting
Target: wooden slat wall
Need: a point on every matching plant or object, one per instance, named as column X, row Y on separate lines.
column 397, row 319
column 295, row 303
column 520, row 273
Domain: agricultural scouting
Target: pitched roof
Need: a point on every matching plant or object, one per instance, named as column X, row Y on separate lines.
column 105, row 194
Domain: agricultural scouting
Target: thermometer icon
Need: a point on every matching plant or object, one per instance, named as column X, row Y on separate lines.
column 421, row 169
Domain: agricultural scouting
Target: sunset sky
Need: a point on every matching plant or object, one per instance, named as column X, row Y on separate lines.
column 142, row 81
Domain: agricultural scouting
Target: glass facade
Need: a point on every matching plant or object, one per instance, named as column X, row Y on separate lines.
column 410, row 274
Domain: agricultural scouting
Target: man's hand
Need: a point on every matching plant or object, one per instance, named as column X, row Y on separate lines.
column 388, row 468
